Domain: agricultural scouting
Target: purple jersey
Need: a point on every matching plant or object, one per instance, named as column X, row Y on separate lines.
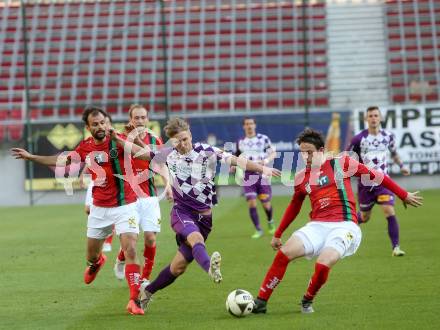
column 192, row 175
column 256, row 148
column 373, row 149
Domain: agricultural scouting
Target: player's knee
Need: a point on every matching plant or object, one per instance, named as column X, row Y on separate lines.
column 366, row 217
column 330, row 255
column 150, row 239
column 195, row 238
column 267, row 205
column 178, row 269
column 130, row 252
column 150, row 242
column 328, row 260
column 252, row 203
column 389, row 212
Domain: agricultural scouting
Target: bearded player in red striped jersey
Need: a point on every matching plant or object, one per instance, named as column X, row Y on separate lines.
column 333, row 232
column 113, row 198
column 148, row 203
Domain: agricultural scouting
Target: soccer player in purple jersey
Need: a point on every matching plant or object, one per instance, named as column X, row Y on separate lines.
column 372, row 145
column 192, row 170
column 258, row 148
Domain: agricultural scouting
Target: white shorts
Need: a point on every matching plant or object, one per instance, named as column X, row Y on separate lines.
column 89, row 198
column 101, row 220
column 149, row 214
column 345, row 237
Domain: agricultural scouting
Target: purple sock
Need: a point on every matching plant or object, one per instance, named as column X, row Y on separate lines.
column 268, row 213
column 254, row 216
column 162, row 280
column 201, row 256
column 393, row 230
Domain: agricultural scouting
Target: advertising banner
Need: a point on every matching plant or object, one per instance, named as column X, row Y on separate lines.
column 220, row 131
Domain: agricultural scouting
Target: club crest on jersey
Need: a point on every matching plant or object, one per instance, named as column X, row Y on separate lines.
column 323, row 180
column 113, row 153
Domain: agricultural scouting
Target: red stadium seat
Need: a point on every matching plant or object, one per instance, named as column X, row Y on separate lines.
column 204, row 61
column 15, row 132
column 412, row 49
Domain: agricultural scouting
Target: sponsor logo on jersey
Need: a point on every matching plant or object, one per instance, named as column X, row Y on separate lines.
column 132, row 223
column 323, row 180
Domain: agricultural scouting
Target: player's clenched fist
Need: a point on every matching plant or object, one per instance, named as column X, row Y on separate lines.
column 276, row 243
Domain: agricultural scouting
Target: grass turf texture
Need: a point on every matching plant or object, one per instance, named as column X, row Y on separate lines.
column 42, row 263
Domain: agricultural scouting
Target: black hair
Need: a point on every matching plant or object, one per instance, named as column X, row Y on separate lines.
column 94, row 111
column 309, row 135
column 249, row 118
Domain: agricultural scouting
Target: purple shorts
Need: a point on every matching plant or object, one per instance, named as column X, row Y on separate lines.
column 255, row 185
column 368, row 196
column 185, row 222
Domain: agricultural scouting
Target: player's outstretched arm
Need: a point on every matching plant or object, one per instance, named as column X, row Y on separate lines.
column 19, row 153
column 413, row 199
column 249, row 165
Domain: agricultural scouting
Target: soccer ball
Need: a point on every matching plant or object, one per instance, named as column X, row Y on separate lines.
column 239, row 303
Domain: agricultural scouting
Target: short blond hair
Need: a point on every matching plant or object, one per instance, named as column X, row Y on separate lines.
column 136, row 106
column 175, row 126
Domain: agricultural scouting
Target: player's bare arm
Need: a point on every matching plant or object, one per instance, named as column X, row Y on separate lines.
column 249, row 165
column 411, row 198
column 19, row 153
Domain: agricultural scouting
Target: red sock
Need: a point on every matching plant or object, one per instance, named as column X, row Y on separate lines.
column 274, row 275
column 109, row 239
column 132, row 274
column 149, row 254
column 317, row 281
column 121, row 255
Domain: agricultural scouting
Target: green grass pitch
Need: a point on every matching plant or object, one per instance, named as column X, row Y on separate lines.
column 42, row 251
